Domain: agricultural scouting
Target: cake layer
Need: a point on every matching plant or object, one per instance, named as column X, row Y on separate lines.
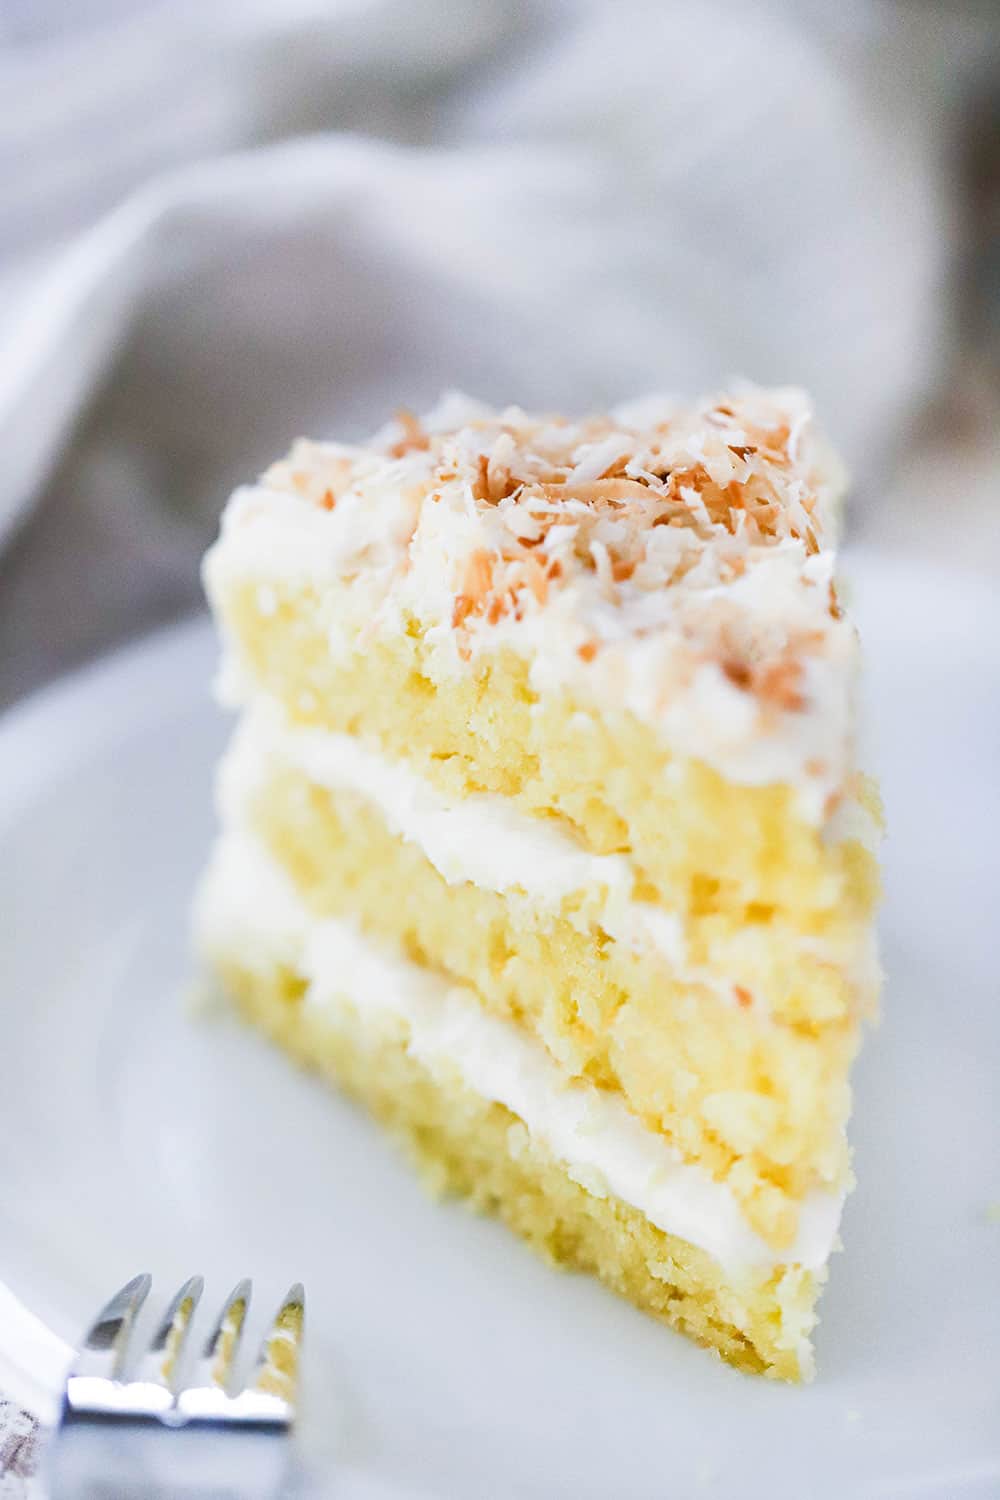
column 491, row 1117
column 698, row 844
column 760, row 1104
column 543, row 830
column 671, row 565
column 774, row 969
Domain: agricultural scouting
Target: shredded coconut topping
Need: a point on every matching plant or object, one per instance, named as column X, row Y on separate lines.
column 680, row 550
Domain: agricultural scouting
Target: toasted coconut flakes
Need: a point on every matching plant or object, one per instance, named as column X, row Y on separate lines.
column 480, row 484
column 602, row 566
column 412, row 435
column 595, row 459
column 657, row 515
column 778, row 684
column 738, row 672
column 521, row 523
column 461, row 610
column 798, row 427
column 500, row 481
column 647, row 476
column 536, row 579
column 696, row 507
column 478, row 576
column 774, row 444
column 596, row 492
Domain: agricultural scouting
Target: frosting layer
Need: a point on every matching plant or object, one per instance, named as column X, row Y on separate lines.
column 249, row 909
column 488, row 841
column 485, row 840
column 673, row 561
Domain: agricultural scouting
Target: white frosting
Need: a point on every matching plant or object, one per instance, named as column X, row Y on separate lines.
column 715, row 628
column 248, row 906
column 484, row 840
column 487, row 841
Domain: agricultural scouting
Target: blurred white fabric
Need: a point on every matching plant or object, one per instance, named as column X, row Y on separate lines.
column 227, row 223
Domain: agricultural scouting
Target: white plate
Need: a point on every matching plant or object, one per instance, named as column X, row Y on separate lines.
column 443, row 1359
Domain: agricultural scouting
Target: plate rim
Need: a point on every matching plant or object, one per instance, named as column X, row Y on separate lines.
column 33, row 1357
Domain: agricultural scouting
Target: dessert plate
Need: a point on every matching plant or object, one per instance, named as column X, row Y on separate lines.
column 442, row 1359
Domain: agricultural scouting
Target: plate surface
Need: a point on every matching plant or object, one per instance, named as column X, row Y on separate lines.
column 442, row 1358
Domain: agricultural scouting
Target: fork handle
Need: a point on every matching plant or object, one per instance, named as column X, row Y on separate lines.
column 115, row 1460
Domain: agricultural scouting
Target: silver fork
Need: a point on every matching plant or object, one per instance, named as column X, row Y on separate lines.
column 130, row 1426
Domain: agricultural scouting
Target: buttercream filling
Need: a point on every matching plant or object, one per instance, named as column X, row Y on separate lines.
column 249, row 908
column 481, row 839
column 487, row 841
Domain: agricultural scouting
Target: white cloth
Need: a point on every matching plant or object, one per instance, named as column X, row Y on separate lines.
column 570, row 203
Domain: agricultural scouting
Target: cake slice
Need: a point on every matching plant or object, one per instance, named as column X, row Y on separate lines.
column 542, row 833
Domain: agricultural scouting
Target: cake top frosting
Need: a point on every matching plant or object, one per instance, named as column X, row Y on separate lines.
column 677, row 555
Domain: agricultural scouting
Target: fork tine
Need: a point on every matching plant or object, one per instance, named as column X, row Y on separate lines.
column 215, row 1367
column 160, row 1362
column 277, row 1369
column 107, row 1382
column 105, row 1348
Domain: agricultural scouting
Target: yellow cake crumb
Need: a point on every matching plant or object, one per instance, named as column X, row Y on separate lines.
column 468, row 1147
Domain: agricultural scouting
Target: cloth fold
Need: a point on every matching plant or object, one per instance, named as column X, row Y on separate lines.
column 576, row 202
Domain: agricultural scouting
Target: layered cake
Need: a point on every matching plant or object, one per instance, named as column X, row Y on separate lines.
column 542, row 833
